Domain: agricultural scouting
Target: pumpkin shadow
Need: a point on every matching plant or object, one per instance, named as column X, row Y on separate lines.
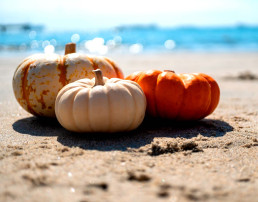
column 37, row 126
column 149, row 129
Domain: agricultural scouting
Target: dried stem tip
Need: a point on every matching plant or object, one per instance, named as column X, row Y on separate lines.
column 70, row 48
column 98, row 77
column 169, row 71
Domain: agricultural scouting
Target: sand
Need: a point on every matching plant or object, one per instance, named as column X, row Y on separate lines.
column 215, row 159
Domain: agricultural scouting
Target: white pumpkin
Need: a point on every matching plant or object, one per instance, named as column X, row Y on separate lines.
column 100, row 105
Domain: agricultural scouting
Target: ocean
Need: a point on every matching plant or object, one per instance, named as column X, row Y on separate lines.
column 133, row 39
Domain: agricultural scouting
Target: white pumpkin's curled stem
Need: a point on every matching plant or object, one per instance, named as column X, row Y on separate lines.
column 98, row 77
column 70, row 48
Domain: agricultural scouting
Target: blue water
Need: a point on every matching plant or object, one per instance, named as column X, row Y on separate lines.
column 135, row 39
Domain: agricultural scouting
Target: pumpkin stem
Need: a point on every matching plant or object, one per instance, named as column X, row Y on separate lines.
column 98, row 77
column 169, row 71
column 70, row 48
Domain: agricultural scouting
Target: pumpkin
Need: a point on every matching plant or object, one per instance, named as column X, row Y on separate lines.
column 38, row 79
column 178, row 96
column 100, row 105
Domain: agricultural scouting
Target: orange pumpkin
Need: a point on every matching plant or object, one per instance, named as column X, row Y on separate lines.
column 178, row 96
column 38, row 79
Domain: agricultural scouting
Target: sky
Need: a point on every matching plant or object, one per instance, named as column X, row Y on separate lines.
column 101, row 14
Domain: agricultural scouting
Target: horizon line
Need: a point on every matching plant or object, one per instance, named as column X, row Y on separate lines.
column 43, row 27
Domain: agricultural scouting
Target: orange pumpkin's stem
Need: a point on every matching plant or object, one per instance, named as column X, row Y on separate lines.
column 169, row 71
column 98, row 77
column 70, row 48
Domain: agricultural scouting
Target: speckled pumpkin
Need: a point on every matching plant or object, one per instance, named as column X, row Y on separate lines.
column 178, row 96
column 38, row 79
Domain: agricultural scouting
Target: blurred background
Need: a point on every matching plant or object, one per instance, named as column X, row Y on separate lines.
column 115, row 26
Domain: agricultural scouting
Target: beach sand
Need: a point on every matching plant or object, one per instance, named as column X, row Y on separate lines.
column 215, row 159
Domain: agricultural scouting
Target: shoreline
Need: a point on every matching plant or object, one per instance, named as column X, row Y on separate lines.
column 17, row 53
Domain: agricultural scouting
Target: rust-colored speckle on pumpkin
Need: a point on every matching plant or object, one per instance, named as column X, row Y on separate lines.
column 63, row 70
column 33, row 66
column 94, row 64
column 27, row 89
column 30, row 88
column 41, row 101
column 45, row 92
